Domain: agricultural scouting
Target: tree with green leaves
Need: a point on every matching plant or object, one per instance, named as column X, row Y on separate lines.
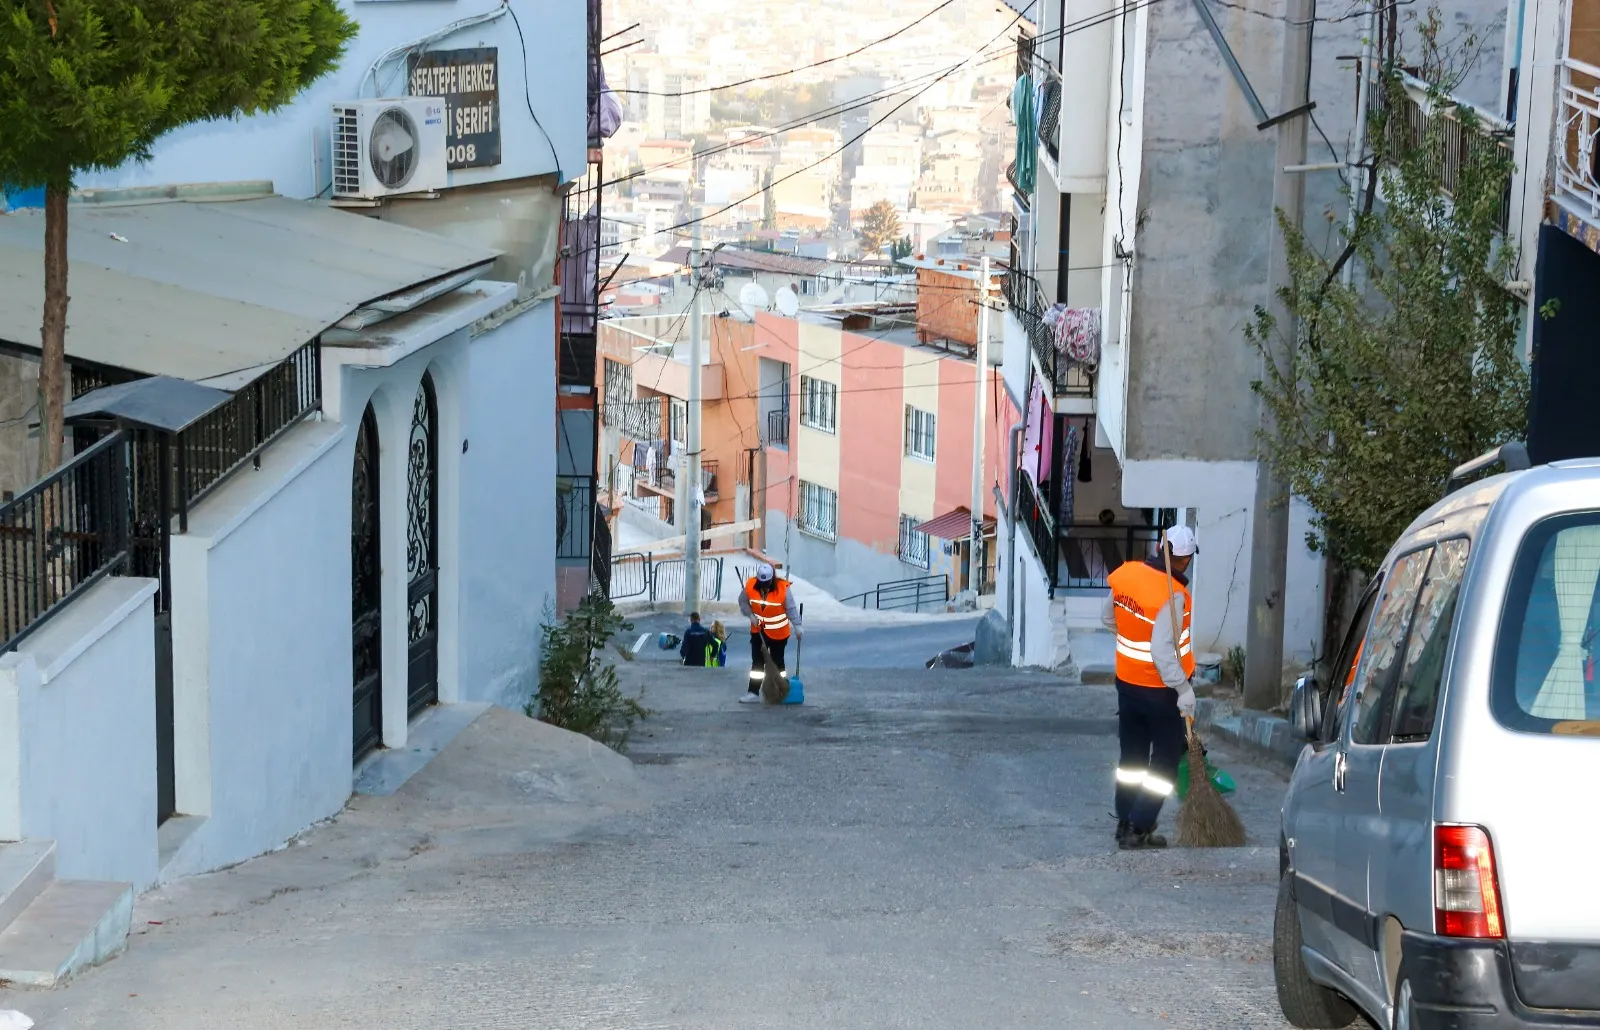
column 880, row 226
column 900, row 248
column 90, row 84
column 1412, row 368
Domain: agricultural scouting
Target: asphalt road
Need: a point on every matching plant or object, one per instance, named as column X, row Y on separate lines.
column 831, row 645
column 908, row 849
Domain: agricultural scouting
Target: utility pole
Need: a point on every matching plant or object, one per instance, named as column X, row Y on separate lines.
column 975, row 580
column 1263, row 670
column 691, row 543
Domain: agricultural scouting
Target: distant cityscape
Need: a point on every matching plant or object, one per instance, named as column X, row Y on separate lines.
column 787, row 162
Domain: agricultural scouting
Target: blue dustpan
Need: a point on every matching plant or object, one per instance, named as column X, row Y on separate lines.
column 797, row 689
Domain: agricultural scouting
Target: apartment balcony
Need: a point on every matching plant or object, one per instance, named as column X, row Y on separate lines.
column 1577, row 185
column 776, row 432
column 1071, row 381
column 1422, row 116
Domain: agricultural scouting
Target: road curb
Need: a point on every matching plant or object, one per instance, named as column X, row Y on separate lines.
column 1263, row 736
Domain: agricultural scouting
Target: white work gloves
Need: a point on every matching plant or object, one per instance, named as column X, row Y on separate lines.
column 799, row 632
column 1186, row 700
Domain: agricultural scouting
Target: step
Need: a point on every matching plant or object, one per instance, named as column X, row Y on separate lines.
column 26, row 869
column 71, row 926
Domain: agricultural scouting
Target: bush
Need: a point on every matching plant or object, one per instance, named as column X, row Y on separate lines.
column 578, row 688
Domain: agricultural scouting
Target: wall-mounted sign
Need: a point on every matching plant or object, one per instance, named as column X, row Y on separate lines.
column 469, row 82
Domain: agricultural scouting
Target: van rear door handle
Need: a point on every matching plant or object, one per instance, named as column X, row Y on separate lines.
column 1340, row 765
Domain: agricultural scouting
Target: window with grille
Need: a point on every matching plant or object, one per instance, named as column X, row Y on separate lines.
column 819, row 404
column 914, row 543
column 618, row 392
column 919, row 433
column 819, row 511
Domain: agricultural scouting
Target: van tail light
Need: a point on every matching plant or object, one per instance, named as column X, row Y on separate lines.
column 1466, row 892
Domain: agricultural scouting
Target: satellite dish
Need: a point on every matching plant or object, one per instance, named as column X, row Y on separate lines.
column 752, row 298
column 787, row 302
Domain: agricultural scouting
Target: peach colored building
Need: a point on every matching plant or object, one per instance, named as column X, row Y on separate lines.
column 844, row 443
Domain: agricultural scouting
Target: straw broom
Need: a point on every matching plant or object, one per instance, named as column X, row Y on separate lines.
column 774, row 686
column 1206, row 820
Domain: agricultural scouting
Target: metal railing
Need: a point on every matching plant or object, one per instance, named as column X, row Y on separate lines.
column 1578, row 137
column 641, row 419
column 1035, row 518
column 1026, row 299
column 600, row 552
column 667, row 579
column 574, row 516
column 899, row 594
column 242, row 428
column 1419, row 119
column 654, row 467
column 62, row 535
column 916, row 548
column 778, row 428
column 1050, row 113
column 1090, row 551
column 630, row 575
column 708, row 479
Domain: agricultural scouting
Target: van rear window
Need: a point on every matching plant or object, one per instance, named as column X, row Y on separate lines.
column 1547, row 662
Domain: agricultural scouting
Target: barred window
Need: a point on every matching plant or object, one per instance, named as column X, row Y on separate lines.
column 618, row 392
column 819, row 404
column 920, row 435
column 914, row 543
column 819, row 511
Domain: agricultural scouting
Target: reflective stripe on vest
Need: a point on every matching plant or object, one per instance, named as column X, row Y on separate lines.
column 770, row 610
column 1139, row 592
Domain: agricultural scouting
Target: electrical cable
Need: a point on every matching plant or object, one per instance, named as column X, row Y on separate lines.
column 527, row 92
column 792, row 71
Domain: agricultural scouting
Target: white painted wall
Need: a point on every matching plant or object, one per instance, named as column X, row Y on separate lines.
column 1018, row 361
column 261, row 650
column 290, row 147
column 77, row 735
column 1223, row 494
column 508, row 506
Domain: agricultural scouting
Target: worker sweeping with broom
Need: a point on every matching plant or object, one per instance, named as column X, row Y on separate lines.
column 1150, row 610
column 769, row 604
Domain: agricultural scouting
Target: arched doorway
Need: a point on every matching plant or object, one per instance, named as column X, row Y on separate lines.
column 366, row 592
column 422, row 552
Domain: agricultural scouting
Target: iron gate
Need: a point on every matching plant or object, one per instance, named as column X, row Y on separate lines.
column 422, row 552
column 366, row 595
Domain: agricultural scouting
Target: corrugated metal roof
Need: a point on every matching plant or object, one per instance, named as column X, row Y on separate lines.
column 155, row 402
column 199, row 290
column 953, row 525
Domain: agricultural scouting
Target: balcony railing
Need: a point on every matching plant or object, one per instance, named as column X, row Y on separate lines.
column 641, row 419
column 62, row 535
column 1050, row 113
column 1027, row 301
column 1034, row 515
column 1578, row 136
column 655, row 467
column 777, row 429
column 708, row 479
column 574, row 516
column 1091, row 551
column 1422, row 120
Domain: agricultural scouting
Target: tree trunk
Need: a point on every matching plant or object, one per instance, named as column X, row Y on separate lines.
column 53, row 333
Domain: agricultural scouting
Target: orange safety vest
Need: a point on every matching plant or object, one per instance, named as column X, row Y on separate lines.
column 770, row 609
column 1138, row 594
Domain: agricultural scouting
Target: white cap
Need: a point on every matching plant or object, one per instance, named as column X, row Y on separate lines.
column 1181, row 540
column 763, row 572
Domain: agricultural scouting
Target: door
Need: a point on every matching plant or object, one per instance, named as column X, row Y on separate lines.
column 422, row 552
column 1400, row 876
column 1358, row 770
column 1314, row 809
column 366, row 594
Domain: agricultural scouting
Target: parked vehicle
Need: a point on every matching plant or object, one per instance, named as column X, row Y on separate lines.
column 1441, row 832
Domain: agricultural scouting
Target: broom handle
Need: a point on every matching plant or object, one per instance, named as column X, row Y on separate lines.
column 1174, row 611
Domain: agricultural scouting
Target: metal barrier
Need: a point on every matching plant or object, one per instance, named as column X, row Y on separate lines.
column 667, row 580
column 62, row 535
column 630, row 575
column 904, row 593
column 1090, row 551
column 574, row 516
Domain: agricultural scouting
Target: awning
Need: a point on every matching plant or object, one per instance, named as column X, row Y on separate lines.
column 954, row 525
column 205, row 289
column 157, row 402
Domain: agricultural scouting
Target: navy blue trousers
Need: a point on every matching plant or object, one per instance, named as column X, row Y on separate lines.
column 1150, row 730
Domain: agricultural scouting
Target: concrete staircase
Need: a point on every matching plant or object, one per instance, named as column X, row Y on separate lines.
column 50, row 929
column 1094, row 650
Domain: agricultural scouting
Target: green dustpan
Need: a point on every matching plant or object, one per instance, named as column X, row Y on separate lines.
column 1219, row 778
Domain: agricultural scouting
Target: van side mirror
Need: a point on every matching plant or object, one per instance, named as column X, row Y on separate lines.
column 1305, row 709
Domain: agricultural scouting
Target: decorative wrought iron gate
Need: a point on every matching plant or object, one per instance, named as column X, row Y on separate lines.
column 366, row 590
column 422, row 552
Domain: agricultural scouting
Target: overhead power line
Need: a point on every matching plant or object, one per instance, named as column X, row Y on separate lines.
column 792, row 71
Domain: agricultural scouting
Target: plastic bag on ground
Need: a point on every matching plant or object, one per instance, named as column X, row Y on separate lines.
column 11, row 1019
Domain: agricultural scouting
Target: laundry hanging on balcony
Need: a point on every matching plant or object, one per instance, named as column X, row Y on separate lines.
column 1077, row 333
column 1069, row 459
column 605, row 110
column 1036, row 436
column 1025, row 113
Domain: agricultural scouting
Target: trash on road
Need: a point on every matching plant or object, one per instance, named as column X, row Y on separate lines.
column 11, row 1019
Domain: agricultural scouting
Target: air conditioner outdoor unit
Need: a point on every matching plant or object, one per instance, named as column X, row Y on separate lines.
column 388, row 146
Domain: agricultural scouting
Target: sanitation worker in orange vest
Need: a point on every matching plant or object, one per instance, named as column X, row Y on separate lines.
column 769, row 604
column 1155, row 664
